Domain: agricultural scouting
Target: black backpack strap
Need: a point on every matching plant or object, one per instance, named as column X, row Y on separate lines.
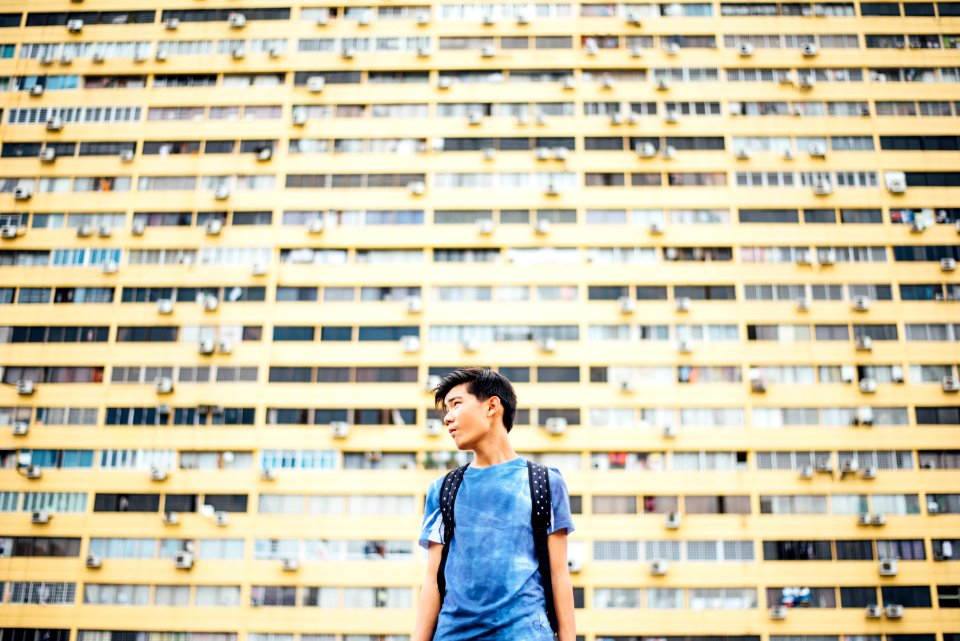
column 448, row 496
column 540, row 515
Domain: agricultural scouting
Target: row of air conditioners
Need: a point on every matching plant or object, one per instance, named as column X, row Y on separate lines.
column 866, row 518
column 208, row 346
column 891, row 611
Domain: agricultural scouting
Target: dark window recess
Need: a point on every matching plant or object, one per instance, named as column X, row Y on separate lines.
column 281, row 334
column 220, row 15
column 40, row 546
column 855, row 550
column 607, row 292
column 933, row 178
column 330, row 77
column 180, row 503
column 60, row 18
column 920, row 143
column 948, row 596
column 706, row 292
column 339, row 334
column 126, row 503
column 858, row 597
column 879, row 8
column 105, row 148
column 917, row 253
column 909, row 596
column 289, row 375
column 35, row 634
column 796, row 551
column 769, row 216
column 226, row 502
column 652, row 292
column 386, row 375
column 387, row 333
column 516, row 374
column 938, row 415
column 333, row 375
column 558, row 374
column 8, row 20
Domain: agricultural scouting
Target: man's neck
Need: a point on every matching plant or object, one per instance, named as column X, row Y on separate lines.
column 493, row 451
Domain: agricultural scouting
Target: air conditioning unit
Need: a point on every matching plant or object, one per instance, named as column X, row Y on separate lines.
column 823, row 466
column 874, row 611
column 104, row 231
column 864, row 416
column 213, row 226
column 20, row 428
column 364, row 19
column 291, row 564
column 424, row 51
column 817, row 150
column 49, row 154
column 183, row 560
column 672, row 49
column 627, row 386
column 633, row 19
column 165, row 306
column 828, row 257
column 339, row 429
column 238, row 53
column 672, row 520
column 210, row 302
column 36, row 90
column 803, row 304
column 646, row 150
column 663, row 84
column 569, row 82
column 163, row 409
column 878, row 519
column 445, row 82
column 25, row 387
column 93, row 561
column 221, row 518
column 627, row 305
column 259, row 268
column 868, row 385
column 237, row 20
column 590, row 48
column 805, row 472
column 315, row 83
column 861, row 303
column 471, row 345
column 417, row 188
column 347, row 53
column 485, row 226
column 410, row 344
column 171, row 24
column 46, row 59
column 54, row 123
column 265, row 154
column 888, row 567
column 659, row 568
column 299, row 117
column 809, row 49
column 789, row 154
column 225, row 346
column 207, row 346
column 423, row 18
column 163, row 385
column 574, row 564
column 743, row 153
column 158, row 474
column 948, row 264
column 171, row 518
column 489, row 19
column 83, row 231
column 542, row 226
column 315, row 226
column 868, row 472
column 847, row 466
column 669, row 152
column 683, row 304
column 556, row 425
column 268, row 474
column 160, row 56
column 807, row 81
column 414, row 305
column 222, row 193
column 8, row 231
column 542, row 153
column 669, row 431
column 746, row 49
column 656, row 228
column 33, row 472
column 560, row 153
column 488, row 51
column 778, row 612
column 893, row 611
column 950, row 384
column 547, row 345
column 434, row 427
column 758, row 385
column 74, row 26
column 275, row 52
column 39, row 517
column 126, row 155
column 636, row 52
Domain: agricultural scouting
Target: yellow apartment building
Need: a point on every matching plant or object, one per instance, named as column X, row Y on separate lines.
column 713, row 243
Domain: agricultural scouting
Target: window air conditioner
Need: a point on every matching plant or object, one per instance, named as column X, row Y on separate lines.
column 33, row 472
column 874, row 611
column 868, row 385
column 888, row 567
column 434, row 427
column 237, row 20
column 20, row 428
column 778, row 612
column 672, row 520
column 659, row 568
column 746, row 49
column 93, row 561
column 291, row 564
column 950, row 384
column 556, row 425
column 213, row 226
column 9, row 231
column 809, row 49
column 25, row 387
column 163, row 385
column 893, row 611
column 158, row 474
column 315, row 83
column 183, row 560
column 339, row 429
column 40, row 517
column 861, row 303
column 165, row 306
column 74, row 26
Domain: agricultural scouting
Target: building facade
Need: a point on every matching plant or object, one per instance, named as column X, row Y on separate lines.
column 713, row 243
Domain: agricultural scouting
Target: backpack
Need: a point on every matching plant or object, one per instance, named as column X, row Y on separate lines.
column 539, row 481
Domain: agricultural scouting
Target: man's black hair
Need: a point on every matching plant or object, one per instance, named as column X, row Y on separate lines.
column 482, row 383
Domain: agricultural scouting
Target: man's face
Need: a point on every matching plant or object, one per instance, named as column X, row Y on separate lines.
column 466, row 418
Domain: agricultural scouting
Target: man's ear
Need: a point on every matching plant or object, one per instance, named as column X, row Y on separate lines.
column 493, row 404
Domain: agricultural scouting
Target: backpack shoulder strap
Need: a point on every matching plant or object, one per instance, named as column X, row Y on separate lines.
column 448, row 497
column 540, row 518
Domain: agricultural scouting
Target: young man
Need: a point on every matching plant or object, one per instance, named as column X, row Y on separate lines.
column 493, row 585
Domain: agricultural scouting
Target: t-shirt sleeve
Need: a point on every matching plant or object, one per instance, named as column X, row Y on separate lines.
column 432, row 528
column 560, row 517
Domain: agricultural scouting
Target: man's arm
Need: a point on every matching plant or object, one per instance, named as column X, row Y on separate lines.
column 562, row 586
column 429, row 607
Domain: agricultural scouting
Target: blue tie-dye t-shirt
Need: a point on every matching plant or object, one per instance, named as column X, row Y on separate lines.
column 493, row 578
